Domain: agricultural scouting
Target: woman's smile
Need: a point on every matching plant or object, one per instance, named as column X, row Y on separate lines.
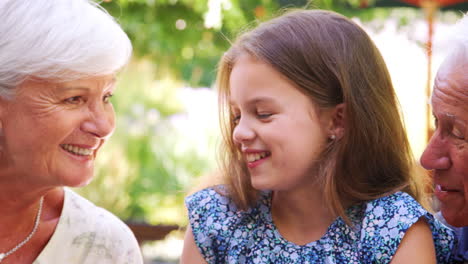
column 77, row 150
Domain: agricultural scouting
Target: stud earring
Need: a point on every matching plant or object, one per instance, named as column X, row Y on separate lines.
column 332, row 137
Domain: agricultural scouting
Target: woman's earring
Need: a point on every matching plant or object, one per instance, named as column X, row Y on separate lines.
column 332, row 137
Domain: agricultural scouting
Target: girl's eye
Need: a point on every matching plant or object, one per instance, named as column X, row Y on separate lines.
column 74, row 100
column 107, row 98
column 263, row 115
column 236, row 119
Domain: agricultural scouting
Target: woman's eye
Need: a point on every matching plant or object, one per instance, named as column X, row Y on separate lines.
column 74, row 100
column 107, row 98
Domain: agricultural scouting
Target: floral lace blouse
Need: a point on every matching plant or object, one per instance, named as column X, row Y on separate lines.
column 87, row 234
column 225, row 234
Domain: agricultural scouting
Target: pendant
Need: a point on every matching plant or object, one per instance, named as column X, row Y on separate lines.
column 2, row 255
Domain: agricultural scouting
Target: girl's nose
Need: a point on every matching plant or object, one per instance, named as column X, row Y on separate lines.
column 243, row 132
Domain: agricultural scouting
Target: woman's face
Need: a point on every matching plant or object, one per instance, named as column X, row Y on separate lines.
column 53, row 131
column 277, row 127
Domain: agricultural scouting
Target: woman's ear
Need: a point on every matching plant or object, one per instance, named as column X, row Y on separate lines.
column 3, row 111
column 337, row 121
column 2, row 139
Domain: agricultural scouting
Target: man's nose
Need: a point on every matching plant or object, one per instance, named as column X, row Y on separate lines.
column 436, row 155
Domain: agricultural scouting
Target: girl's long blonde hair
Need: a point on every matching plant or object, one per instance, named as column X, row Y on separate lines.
column 333, row 61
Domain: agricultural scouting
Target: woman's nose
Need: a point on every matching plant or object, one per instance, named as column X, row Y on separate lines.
column 436, row 155
column 100, row 121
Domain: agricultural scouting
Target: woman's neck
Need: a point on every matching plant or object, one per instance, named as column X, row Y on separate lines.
column 16, row 226
column 19, row 209
column 301, row 216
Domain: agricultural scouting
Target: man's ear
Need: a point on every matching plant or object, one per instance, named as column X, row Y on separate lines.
column 337, row 121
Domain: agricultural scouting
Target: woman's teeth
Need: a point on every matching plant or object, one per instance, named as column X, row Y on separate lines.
column 251, row 157
column 76, row 150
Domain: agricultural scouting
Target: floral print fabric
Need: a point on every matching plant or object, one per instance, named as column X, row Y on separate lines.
column 225, row 234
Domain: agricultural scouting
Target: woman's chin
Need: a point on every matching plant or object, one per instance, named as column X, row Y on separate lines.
column 77, row 180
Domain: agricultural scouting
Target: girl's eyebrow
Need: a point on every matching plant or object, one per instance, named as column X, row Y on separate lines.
column 261, row 99
column 256, row 100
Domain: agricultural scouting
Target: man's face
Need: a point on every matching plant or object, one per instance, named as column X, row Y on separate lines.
column 447, row 152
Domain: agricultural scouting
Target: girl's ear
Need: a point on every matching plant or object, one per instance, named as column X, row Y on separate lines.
column 337, row 122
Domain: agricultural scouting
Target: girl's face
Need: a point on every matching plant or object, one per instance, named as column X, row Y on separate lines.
column 278, row 128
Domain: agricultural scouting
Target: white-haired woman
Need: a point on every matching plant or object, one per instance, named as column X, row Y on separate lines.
column 58, row 60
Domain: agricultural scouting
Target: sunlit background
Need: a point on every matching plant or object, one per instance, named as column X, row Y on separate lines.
column 167, row 127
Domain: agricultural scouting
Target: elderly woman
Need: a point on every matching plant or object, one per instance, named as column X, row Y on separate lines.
column 58, row 60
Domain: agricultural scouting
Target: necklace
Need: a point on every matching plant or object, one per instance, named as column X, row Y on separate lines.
column 26, row 240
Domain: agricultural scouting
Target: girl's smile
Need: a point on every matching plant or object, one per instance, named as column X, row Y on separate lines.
column 277, row 128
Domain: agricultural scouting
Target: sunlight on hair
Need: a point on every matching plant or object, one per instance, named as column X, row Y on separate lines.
column 407, row 61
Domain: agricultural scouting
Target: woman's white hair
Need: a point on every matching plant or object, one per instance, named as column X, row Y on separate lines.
column 59, row 40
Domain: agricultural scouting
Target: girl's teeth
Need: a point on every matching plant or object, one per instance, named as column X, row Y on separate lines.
column 251, row 157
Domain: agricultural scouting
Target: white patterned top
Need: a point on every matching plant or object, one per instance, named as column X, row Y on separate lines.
column 87, row 234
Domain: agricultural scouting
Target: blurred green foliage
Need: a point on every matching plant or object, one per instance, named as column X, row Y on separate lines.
column 145, row 170
column 186, row 38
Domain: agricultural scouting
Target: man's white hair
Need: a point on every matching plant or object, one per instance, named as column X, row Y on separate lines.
column 461, row 31
column 59, row 40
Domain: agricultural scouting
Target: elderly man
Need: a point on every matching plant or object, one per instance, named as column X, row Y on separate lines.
column 447, row 152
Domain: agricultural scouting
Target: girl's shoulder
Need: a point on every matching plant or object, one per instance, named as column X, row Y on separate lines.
column 399, row 205
column 216, row 220
column 385, row 221
column 211, row 202
column 217, row 201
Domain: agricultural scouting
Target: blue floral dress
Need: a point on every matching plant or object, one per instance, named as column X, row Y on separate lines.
column 225, row 234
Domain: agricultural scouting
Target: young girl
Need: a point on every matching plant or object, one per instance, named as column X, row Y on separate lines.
column 316, row 157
